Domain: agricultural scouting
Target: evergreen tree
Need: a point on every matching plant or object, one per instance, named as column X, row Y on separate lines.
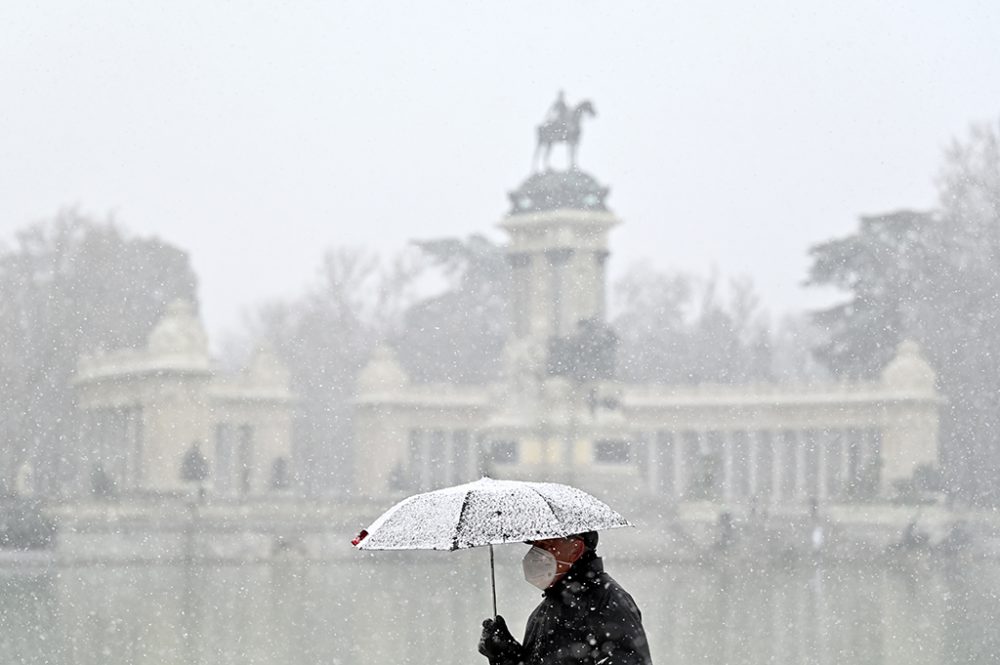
column 194, row 466
column 458, row 335
column 324, row 338
column 933, row 277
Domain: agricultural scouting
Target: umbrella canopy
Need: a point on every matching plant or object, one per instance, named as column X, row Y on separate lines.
column 487, row 512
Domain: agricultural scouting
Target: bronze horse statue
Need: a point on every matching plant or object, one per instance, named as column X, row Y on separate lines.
column 562, row 129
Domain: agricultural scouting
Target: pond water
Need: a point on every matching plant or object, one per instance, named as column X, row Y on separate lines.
column 427, row 608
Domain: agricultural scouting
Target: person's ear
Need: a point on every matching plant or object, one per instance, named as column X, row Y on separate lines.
column 578, row 547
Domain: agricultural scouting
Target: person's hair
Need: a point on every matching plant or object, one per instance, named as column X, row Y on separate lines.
column 589, row 539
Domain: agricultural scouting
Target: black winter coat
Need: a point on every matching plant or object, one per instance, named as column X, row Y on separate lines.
column 586, row 618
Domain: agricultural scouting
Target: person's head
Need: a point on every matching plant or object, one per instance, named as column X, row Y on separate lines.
column 550, row 559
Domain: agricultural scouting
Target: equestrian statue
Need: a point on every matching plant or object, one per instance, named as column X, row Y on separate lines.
column 561, row 125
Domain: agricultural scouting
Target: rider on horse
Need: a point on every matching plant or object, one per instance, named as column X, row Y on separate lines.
column 561, row 125
column 559, row 112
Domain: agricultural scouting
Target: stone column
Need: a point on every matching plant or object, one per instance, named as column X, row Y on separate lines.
column 763, row 465
column 477, row 451
column 873, row 454
column 845, row 464
column 133, row 451
column 446, row 458
column 726, row 450
column 88, row 437
column 778, row 470
column 469, row 456
column 680, row 477
column 561, row 298
column 654, row 453
column 423, row 463
column 665, row 456
column 539, row 313
column 599, row 307
column 520, row 264
column 800, row 468
column 578, row 294
column 823, row 445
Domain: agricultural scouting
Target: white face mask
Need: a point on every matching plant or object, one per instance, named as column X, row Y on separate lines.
column 539, row 567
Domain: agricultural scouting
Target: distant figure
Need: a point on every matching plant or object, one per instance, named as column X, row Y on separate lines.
column 584, row 616
column 279, row 474
column 102, row 485
column 912, row 537
column 813, row 508
column 727, row 532
column 559, row 112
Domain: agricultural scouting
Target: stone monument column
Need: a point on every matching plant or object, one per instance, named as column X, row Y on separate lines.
column 558, row 228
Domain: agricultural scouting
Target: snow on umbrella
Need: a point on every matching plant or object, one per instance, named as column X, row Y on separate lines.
column 487, row 512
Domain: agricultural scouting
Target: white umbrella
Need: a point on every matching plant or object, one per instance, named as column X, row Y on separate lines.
column 487, row 512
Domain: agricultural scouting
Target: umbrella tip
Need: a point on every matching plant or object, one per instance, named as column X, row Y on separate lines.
column 358, row 538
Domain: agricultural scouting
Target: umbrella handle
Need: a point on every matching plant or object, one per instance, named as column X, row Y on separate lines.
column 493, row 582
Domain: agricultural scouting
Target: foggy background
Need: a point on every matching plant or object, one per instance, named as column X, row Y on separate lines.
column 732, row 135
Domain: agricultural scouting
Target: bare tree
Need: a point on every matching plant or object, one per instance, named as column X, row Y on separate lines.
column 71, row 285
column 676, row 328
column 325, row 337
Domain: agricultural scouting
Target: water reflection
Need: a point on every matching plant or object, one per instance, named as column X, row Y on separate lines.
column 426, row 607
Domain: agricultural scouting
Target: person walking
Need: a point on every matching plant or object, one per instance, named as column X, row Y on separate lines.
column 585, row 617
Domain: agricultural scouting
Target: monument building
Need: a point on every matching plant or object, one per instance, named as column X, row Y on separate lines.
column 559, row 413
column 163, row 420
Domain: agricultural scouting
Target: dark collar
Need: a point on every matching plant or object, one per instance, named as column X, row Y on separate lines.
column 584, row 573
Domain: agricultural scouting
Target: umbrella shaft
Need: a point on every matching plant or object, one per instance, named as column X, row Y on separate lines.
column 493, row 582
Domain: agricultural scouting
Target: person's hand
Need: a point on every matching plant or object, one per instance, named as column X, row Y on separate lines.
column 496, row 642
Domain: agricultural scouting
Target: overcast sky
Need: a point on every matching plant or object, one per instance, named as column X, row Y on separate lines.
column 256, row 134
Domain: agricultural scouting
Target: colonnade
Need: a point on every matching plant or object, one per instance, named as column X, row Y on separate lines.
column 115, row 443
column 738, row 466
column 773, row 466
column 438, row 458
